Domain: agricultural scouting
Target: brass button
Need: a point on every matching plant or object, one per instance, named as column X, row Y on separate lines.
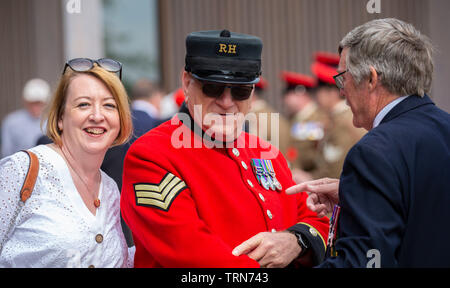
column 269, row 214
column 262, row 197
column 244, row 165
column 250, row 183
column 313, row 231
column 274, row 230
column 99, row 238
column 91, row 266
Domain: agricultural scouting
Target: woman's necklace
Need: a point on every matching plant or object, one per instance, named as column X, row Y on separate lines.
column 96, row 200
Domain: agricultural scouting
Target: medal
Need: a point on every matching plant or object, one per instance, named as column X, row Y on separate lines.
column 266, row 165
column 265, row 174
column 271, row 170
column 264, row 182
column 258, row 170
column 332, row 234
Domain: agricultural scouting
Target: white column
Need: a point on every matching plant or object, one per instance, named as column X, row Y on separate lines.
column 83, row 29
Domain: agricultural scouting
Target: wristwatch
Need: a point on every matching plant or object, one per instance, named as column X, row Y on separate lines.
column 302, row 242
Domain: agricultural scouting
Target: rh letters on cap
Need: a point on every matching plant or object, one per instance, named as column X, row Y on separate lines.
column 227, row 49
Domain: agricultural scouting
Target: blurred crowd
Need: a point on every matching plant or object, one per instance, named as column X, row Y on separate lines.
column 315, row 129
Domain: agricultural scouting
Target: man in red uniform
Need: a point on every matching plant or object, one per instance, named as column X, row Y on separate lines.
column 199, row 192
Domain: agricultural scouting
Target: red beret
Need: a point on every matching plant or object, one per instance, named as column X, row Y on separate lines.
column 262, row 84
column 296, row 79
column 327, row 58
column 178, row 96
column 292, row 154
column 324, row 72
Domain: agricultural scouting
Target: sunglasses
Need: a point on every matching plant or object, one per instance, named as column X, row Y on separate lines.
column 86, row 64
column 215, row 90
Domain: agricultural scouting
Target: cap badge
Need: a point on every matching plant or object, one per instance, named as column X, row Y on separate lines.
column 227, row 49
column 264, row 172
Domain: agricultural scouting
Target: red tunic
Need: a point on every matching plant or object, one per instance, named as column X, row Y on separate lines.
column 190, row 206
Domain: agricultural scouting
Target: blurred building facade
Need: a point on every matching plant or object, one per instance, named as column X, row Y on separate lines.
column 38, row 36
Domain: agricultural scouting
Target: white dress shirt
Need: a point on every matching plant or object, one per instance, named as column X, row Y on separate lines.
column 55, row 228
column 386, row 110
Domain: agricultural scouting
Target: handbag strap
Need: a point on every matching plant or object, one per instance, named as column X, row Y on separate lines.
column 30, row 179
column 25, row 191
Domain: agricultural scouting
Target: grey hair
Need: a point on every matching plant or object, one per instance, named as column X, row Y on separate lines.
column 401, row 55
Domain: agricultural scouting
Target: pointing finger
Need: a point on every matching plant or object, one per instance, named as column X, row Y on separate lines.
column 296, row 188
column 321, row 185
column 330, row 188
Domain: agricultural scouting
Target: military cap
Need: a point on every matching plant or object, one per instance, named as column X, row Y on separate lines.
column 293, row 79
column 224, row 56
column 324, row 73
column 327, row 58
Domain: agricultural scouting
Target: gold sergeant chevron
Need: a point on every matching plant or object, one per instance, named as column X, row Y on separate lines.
column 159, row 195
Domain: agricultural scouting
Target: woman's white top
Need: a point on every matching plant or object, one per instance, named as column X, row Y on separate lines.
column 55, row 228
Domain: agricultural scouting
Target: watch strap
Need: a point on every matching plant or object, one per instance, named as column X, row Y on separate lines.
column 302, row 242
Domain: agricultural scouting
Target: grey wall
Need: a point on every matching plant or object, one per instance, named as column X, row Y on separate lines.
column 31, row 46
column 439, row 33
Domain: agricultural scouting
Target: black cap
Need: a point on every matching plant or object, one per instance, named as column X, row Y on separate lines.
column 224, row 56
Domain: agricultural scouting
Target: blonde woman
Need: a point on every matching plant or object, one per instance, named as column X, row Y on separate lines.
column 72, row 218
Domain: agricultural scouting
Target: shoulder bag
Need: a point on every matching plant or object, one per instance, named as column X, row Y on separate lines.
column 26, row 190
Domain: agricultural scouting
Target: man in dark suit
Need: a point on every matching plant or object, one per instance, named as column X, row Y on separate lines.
column 145, row 115
column 145, row 109
column 394, row 193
